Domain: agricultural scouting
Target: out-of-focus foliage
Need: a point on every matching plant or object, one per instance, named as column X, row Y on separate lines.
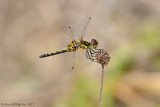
column 128, row 29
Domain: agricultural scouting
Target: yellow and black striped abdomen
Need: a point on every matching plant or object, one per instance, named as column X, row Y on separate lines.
column 54, row 53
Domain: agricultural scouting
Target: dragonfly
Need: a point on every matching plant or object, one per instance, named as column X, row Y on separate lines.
column 81, row 44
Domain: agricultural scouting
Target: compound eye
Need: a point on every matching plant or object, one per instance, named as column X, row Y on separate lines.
column 94, row 42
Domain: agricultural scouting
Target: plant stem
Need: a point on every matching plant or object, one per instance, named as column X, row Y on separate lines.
column 100, row 96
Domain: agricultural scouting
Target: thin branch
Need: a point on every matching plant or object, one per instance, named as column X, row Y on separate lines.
column 100, row 96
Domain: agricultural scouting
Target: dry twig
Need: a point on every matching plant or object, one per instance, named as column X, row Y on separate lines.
column 103, row 58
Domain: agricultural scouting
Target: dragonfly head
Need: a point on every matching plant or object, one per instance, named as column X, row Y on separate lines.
column 94, row 43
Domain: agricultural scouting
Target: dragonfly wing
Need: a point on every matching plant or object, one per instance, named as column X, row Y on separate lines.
column 84, row 29
column 68, row 62
column 67, row 37
column 81, row 60
column 68, row 59
column 74, row 60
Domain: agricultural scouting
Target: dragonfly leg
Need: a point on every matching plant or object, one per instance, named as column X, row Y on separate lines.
column 96, row 50
column 93, row 52
column 90, row 56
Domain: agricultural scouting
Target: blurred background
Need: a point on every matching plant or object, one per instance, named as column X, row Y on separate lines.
column 128, row 29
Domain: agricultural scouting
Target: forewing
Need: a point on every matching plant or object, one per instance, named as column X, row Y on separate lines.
column 67, row 37
column 68, row 59
column 84, row 29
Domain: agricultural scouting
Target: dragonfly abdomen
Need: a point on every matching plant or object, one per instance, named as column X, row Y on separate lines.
column 54, row 53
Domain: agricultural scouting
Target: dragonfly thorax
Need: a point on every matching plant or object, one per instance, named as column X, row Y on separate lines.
column 82, row 44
